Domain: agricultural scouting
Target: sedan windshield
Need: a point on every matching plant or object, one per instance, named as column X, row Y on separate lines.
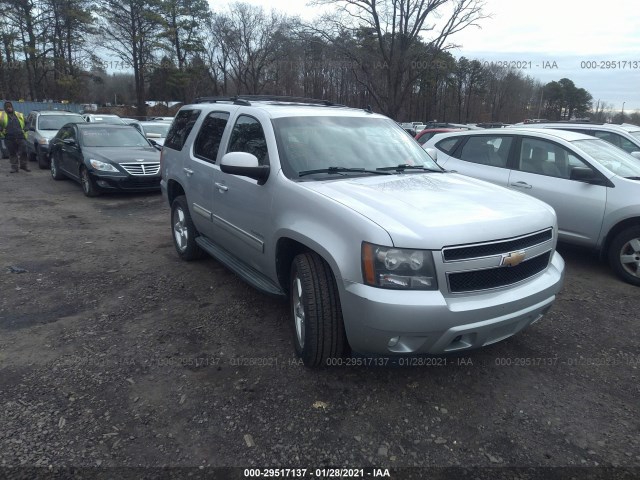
column 156, row 128
column 338, row 143
column 113, row 137
column 55, row 122
column 611, row 157
column 112, row 120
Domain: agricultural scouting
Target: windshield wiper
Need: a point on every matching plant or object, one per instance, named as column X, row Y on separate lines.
column 336, row 170
column 405, row 166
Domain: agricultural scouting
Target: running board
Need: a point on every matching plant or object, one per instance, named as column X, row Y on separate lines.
column 244, row 271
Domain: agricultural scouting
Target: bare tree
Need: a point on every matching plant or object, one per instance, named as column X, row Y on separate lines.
column 390, row 39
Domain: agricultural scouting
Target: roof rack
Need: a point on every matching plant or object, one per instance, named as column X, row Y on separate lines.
column 245, row 100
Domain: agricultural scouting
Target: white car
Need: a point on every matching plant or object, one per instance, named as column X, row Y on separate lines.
column 593, row 186
column 104, row 118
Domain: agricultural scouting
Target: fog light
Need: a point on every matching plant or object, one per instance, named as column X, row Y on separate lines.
column 102, row 183
column 393, row 341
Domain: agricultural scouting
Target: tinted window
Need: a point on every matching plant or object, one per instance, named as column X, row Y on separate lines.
column 113, row 137
column 448, row 145
column 547, row 158
column 487, row 150
column 180, row 129
column 65, row 133
column 424, row 137
column 248, row 136
column 208, row 140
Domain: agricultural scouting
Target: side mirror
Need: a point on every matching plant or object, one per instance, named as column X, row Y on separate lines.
column 155, row 144
column 636, row 154
column 586, row 175
column 244, row 164
column 69, row 141
column 433, row 153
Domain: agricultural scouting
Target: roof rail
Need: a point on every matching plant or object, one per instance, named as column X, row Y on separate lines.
column 246, row 100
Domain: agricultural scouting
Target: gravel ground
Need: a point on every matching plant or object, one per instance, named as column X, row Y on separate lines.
column 115, row 353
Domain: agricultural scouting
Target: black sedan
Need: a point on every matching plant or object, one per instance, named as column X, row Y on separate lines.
column 105, row 157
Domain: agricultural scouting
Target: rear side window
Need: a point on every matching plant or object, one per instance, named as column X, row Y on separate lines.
column 248, row 136
column 180, row 129
column 487, row 150
column 448, row 145
column 208, row 140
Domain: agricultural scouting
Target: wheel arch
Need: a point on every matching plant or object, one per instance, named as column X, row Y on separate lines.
column 174, row 190
column 614, row 231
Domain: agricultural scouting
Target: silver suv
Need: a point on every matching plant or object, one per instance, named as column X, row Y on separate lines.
column 625, row 136
column 42, row 126
column 377, row 248
column 593, row 186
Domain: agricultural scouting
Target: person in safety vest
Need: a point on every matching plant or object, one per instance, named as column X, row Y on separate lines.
column 12, row 129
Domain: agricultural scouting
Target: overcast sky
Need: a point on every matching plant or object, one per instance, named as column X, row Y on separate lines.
column 575, row 35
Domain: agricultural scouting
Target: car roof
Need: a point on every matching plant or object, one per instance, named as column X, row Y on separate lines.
column 542, row 132
column 55, row 112
column 288, row 107
column 628, row 127
column 86, row 125
column 154, row 122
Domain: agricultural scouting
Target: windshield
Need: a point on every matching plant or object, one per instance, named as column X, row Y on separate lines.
column 158, row 129
column 111, row 120
column 346, row 142
column 611, row 157
column 113, row 137
column 55, row 122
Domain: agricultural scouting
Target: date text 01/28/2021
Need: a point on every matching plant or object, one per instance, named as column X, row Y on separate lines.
column 319, row 473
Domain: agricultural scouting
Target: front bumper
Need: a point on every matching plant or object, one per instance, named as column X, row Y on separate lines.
column 391, row 322
column 126, row 182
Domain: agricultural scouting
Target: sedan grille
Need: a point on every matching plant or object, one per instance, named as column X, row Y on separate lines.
column 466, row 252
column 497, row 277
column 142, row 168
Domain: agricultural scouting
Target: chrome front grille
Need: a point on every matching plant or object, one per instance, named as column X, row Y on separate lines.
column 141, row 168
column 466, row 252
column 489, row 265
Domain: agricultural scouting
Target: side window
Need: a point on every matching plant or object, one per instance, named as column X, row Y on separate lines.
column 423, row 138
column 547, row 158
column 208, row 140
column 448, row 145
column 248, row 136
column 617, row 140
column 180, row 128
column 64, row 133
column 487, row 150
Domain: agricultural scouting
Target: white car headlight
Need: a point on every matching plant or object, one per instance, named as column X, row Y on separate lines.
column 398, row 268
column 43, row 141
column 102, row 166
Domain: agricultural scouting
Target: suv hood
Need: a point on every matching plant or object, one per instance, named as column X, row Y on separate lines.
column 434, row 210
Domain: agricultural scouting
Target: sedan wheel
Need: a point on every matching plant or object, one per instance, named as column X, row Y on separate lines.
column 89, row 187
column 56, row 173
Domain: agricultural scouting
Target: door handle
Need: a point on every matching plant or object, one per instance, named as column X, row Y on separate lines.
column 188, row 171
column 222, row 187
column 521, row 185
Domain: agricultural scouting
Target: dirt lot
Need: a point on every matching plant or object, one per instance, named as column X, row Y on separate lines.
column 113, row 352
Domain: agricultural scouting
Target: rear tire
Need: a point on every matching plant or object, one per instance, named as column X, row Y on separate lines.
column 183, row 230
column 624, row 255
column 316, row 314
column 56, row 174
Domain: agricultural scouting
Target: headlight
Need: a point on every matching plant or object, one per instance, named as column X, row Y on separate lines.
column 43, row 141
column 398, row 268
column 102, row 166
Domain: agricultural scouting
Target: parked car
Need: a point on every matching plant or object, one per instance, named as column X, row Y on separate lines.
column 104, row 118
column 155, row 131
column 378, row 249
column 161, row 119
column 42, row 125
column 427, row 133
column 593, row 186
column 105, row 157
column 625, row 136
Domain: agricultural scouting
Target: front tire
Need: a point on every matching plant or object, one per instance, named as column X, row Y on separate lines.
column 624, row 255
column 89, row 187
column 318, row 328
column 56, row 174
column 184, row 231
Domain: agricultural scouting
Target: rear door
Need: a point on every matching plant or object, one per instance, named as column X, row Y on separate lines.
column 542, row 169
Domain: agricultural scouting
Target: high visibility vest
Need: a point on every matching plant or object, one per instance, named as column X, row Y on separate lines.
column 4, row 121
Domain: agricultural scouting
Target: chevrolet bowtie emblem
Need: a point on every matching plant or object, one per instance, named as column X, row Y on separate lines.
column 512, row 259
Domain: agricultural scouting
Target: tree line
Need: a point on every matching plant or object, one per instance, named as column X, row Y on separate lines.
column 392, row 55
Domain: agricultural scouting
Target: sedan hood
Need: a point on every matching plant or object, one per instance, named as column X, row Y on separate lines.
column 122, row 154
column 434, row 210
